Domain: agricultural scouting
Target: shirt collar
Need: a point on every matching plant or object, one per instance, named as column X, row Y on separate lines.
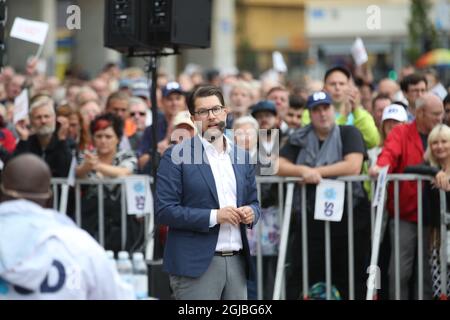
column 208, row 146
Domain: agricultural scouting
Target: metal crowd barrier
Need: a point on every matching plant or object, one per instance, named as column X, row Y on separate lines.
column 285, row 214
column 60, row 194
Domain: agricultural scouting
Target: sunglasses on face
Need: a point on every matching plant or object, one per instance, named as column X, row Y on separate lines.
column 138, row 113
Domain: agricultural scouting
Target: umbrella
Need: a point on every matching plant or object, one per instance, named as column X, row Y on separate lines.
column 436, row 57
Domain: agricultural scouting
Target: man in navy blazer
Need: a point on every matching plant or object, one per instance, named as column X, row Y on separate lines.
column 206, row 194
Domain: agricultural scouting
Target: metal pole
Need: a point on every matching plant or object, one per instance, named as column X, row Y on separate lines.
column 55, row 195
column 101, row 216
column 372, row 212
column 328, row 259
column 443, row 246
column 283, row 241
column 397, row 240
column 78, row 204
column 420, row 238
column 304, row 244
column 64, row 198
column 259, row 261
column 280, row 219
column 123, row 208
column 351, row 251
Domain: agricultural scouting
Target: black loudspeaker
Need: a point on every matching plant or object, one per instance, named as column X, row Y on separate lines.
column 139, row 26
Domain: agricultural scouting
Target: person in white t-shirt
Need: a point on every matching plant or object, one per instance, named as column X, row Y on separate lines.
column 44, row 255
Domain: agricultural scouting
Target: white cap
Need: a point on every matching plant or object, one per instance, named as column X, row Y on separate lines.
column 395, row 112
column 110, row 254
column 183, row 117
column 123, row 255
column 138, row 256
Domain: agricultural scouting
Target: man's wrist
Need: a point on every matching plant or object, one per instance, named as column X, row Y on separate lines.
column 213, row 218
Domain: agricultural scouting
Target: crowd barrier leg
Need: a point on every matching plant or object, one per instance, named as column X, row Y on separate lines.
column 443, row 246
column 283, row 241
column 149, row 237
column 280, row 219
column 123, row 209
column 259, row 262
column 396, row 241
column 351, row 251
column 328, row 279
column 420, row 248
column 372, row 212
column 101, row 216
column 55, row 196
column 78, row 204
column 64, row 198
column 304, row 244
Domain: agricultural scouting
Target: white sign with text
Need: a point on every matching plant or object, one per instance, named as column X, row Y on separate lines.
column 330, row 195
column 139, row 195
column 21, row 106
column 29, row 30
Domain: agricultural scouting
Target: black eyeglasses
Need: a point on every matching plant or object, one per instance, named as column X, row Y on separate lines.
column 216, row 110
column 139, row 113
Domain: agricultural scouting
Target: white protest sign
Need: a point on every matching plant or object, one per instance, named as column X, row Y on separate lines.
column 278, row 62
column 330, row 196
column 359, row 52
column 21, row 106
column 378, row 201
column 139, row 196
column 29, row 30
column 380, row 191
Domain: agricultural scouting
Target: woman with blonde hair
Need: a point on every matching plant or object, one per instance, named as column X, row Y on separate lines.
column 437, row 160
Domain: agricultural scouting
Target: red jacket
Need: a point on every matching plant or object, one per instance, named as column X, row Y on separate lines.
column 7, row 140
column 403, row 147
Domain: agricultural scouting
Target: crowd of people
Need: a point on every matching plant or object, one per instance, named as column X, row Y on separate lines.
column 344, row 124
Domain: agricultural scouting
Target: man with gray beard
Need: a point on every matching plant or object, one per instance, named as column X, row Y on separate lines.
column 44, row 139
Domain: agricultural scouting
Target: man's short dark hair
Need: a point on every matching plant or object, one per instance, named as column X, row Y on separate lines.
column 296, row 102
column 360, row 82
column 381, row 96
column 447, row 99
column 119, row 95
column 412, row 79
column 400, row 103
column 276, row 88
column 341, row 69
column 203, row 92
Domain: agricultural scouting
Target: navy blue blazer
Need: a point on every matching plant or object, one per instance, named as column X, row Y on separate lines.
column 186, row 194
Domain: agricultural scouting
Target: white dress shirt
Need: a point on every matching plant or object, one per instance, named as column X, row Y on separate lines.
column 225, row 181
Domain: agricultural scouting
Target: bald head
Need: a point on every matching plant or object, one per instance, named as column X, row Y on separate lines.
column 26, row 175
column 429, row 112
column 429, row 100
column 388, row 87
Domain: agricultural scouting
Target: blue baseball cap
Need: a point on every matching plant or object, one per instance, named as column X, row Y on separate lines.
column 141, row 88
column 318, row 98
column 172, row 87
column 264, row 105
